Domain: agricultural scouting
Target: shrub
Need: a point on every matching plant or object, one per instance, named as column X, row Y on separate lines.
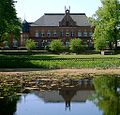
column 30, row 44
column 100, row 44
column 56, row 46
column 75, row 45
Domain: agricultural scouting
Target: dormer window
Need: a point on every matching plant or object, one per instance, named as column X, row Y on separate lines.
column 67, row 23
column 67, row 20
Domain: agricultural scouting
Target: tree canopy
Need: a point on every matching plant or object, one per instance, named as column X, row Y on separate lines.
column 106, row 21
column 56, row 46
column 8, row 19
column 75, row 45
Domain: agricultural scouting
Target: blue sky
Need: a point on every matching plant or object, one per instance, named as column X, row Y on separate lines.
column 31, row 10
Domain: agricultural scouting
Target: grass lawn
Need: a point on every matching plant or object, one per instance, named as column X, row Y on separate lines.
column 45, row 61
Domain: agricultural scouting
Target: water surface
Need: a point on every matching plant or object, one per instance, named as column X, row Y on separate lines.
column 83, row 97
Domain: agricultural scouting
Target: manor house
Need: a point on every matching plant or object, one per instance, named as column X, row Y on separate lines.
column 64, row 26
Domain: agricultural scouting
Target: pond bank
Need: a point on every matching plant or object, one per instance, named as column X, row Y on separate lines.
column 57, row 72
column 32, row 79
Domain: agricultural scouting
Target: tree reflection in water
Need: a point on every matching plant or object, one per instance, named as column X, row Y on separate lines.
column 8, row 98
column 107, row 96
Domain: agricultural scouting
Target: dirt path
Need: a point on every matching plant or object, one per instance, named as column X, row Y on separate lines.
column 59, row 71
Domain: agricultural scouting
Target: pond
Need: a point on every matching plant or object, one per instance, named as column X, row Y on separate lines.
column 97, row 96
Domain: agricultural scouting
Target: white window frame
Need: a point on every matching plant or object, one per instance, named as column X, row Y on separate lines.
column 48, row 34
column 62, row 34
column 72, row 34
column 55, row 34
column 90, row 34
column 79, row 34
column 37, row 34
column 67, row 34
column 42, row 34
column 85, row 34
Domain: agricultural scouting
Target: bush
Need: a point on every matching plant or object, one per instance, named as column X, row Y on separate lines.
column 75, row 45
column 100, row 44
column 30, row 44
column 56, row 46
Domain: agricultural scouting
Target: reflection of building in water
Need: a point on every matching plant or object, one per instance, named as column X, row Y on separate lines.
column 67, row 94
column 54, row 96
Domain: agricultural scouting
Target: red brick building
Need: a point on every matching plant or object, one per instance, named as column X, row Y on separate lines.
column 64, row 26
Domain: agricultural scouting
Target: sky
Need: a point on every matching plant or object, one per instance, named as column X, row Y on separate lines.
column 31, row 10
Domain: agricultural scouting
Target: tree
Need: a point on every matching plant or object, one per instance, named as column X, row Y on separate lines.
column 75, row 45
column 9, row 23
column 30, row 44
column 56, row 46
column 107, row 95
column 10, row 98
column 106, row 22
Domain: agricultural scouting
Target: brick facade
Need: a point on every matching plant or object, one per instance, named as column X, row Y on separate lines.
column 58, row 26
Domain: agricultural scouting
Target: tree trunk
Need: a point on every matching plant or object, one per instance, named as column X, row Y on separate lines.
column 115, row 44
column 11, row 40
column 110, row 46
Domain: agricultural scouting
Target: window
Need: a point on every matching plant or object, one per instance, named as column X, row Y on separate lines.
column 6, row 44
column 67, row 44
column 67, row 34
column 62, row 34
column 36, row 34
column 48, row 34
column 36, row 44
column 79, row 34
column 42, row 34
column 15, row 43
column 67, row 23
column 85, row 34
column 72, row 34
column 55, row 34
column 90, row 34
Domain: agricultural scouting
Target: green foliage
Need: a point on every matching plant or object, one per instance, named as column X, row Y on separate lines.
column 75, row 45
column 56, row 46
column 30, row 44
column 107, row 96
column 9, row 89
column 106, row 22
column 8, row 19
column 59, row 61
column 100, row 44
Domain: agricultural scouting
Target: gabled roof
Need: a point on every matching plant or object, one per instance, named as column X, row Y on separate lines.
column 67, row 21
column 53, row 19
